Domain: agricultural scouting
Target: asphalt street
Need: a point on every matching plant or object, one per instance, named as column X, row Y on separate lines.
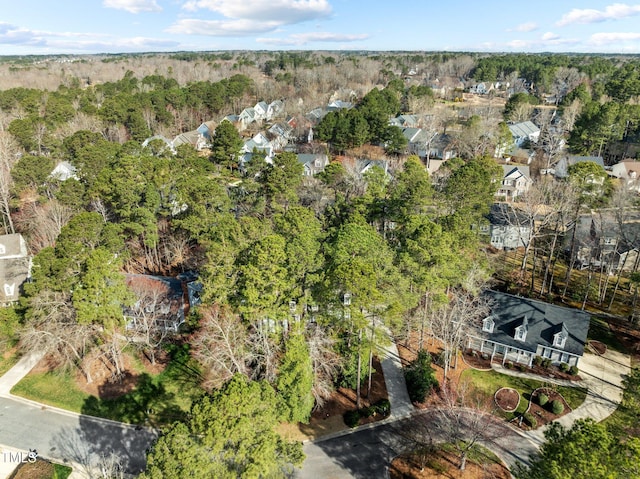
column 367, row 453
column 67, row 437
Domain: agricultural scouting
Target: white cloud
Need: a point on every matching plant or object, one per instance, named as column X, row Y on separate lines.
column 221, row 28
column 304, row 38
column 524, row 27
column 282, row 11
column 614, row 37
column 615, row 11
column 550, row 36
column 133, row 6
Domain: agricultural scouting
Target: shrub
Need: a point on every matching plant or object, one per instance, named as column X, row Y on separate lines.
column 537, row 360
column 367, row 411
column 530, row 420
column 543, row 399
column 351, row 418
column 564, row 367
column 522, row 367
column 382, row 407
column 573, row 370
column 546, row 362
column 508, row 365
column 420, row 377
column 557, row 407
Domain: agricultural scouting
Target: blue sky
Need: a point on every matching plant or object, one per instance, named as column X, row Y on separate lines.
column 117, row 26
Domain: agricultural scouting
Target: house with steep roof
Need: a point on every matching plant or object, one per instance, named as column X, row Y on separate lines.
column 515, row 182
column 207, row 130
column 15, row 267
column 405, row 121
column 193, row 138
column 523, row 132
column 339, row 105
column 628, row 172
column 505, row 228
column 275, row 108
column 259, row 143
column 519, row 329
column 161, row 302
column 313, row 163
column 64, row 171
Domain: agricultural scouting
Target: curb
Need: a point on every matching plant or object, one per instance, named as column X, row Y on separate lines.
column 64, row 412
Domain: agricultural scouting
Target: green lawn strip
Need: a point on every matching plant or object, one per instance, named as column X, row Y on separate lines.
column 477, row 454
column 157, row 399
column 488, row 382
column 61, row 471
column 8, row 363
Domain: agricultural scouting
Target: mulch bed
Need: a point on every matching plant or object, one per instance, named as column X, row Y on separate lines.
column 542, row 414
column 507, row 399
column 475, row 360
column 598, row 347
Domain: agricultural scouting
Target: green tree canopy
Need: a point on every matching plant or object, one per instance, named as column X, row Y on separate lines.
column 587, row 450
column 229, row 434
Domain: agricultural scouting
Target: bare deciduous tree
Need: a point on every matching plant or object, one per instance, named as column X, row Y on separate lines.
column 221, row 345
column 325, row 362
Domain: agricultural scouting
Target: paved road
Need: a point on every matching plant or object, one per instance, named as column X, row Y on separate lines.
column 367, row 453
column 68, row 437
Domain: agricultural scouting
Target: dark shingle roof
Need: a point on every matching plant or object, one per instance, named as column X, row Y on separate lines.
column 544, row 320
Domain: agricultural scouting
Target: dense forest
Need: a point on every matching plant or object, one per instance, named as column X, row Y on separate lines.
column 302, row 277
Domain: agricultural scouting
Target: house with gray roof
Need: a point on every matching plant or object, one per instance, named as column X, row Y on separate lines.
column 516, row 181
column 15, row 267
column 523, row 132
column 519, row 329
column 313, row 163
column 561, row 169
column 507, row 229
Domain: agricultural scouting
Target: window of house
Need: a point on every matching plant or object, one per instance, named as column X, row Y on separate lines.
column 521, row 333
column 488, row 324
column 559, row 340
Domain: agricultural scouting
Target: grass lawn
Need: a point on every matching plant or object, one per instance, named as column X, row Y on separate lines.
column 157, row 399
column 8, row 362
column 488, row 382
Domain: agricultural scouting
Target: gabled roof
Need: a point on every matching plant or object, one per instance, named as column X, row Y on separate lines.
column 501, row 214
column 516, row 171
column 543, row 321
column 523, row 129
column 573, row 159
column 412, row 134
column 64, row 171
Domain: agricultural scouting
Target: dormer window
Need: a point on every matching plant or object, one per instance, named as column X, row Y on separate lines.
column 487, row 324
column 560, row 338
column 521, row 331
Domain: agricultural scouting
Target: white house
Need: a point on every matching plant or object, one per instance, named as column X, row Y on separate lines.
column 515, row 182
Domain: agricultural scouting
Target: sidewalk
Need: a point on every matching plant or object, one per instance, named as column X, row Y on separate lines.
column 394, row 379
column 18, row 371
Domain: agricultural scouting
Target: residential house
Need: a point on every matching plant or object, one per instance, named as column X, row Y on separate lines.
column 506, row 228
column 405, row 121
column 627, row 172
column 603, row 242
column 279, row 135
column 15, row 267
column 161, row 302
column 261, row 108
column 417, row 140
column 524, row 132
column 519, row 329
column 515, row 182
column 315, row 115
column 207, row 130
column 561, row 169
column 275, row 108
column 363, row 165
column 246, row 118
column 64, row 171
column 313, row 163
column 339, row 105
column 481, row 88
column 193, row 138
column 259, row 143
column 441, row 149
column 168, row 143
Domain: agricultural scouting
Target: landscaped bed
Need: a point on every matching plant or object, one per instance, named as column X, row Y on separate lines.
column 507, row 399
column 41, row 470
column 543, row 410
column 488, row 382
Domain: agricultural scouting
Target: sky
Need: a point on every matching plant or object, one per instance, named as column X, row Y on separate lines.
column 123, row 26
